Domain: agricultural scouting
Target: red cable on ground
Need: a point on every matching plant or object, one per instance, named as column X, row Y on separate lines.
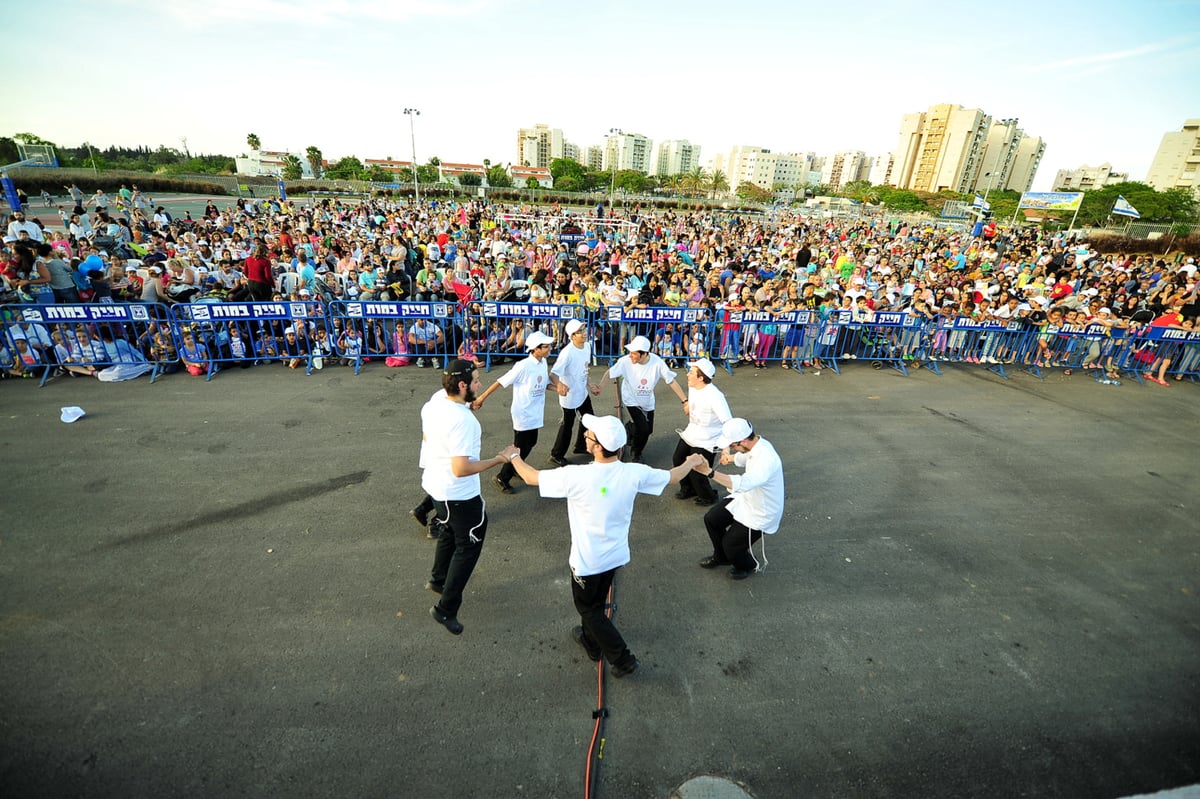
column 598, row 714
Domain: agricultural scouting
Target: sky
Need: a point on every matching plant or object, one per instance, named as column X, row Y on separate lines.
column 1099, row 81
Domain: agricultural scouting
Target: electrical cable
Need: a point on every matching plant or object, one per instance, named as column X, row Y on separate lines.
column 599, row 714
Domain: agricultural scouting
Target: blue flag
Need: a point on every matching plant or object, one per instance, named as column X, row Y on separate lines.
column 981, row 204
column 1123, row 208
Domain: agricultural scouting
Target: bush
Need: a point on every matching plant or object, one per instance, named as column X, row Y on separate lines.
column 32, row 182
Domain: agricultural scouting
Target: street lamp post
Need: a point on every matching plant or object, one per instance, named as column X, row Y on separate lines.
column 92, row 156
column 412, row 112
column 612, row 167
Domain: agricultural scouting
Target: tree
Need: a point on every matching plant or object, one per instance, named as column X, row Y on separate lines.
column 313, row 155
column 428, row 173
column 752, row 192
column 718, row 182
column 293, row 167
column 32, row 138
column 532, row 183
column 377, row 174
column 695, row 181
column 565, row 168
column 470, row 179
column 901, row 200
column 253, row 142
column 498, row 178
column 347, row 168
column 568, row 183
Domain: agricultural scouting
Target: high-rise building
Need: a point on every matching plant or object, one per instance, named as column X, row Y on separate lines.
column 1000, row 147
column 940, row 148
column 846, row 167
column 1030, row 150
column 539, row 145
column 882, row 167
column 1176, row 165
column 595, row 157
column 1087, row 177
column 627, row 151
column 675, row 157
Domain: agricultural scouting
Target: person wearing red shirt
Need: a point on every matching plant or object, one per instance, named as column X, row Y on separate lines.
column 259, row 283
column 1171, row 318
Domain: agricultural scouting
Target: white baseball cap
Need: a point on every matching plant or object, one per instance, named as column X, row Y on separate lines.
column 639, row 344
column 735, row 429
column 704, row 365
column 536, row 339
column 573, row 326
column 608, row 429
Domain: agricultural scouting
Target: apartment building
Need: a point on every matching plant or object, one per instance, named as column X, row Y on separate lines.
column 627, row 151
column 845, row 167
column 765, row 169
column 539, row 145
column 675, row 157
column 1086, row 177
column 1177, row 162
column 882, row 167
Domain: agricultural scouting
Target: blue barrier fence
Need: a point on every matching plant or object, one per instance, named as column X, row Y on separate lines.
column 132, row 339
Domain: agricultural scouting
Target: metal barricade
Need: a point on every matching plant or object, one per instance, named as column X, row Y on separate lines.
column 109, row 341
column 676, row 335
column 1149, row 347
column 993, row 345
column 398, row 333
column 211, row 335
column 888, row 338
column 496, row 331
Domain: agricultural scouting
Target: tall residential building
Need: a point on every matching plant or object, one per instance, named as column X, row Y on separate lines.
column 1025, row 163
column 846, row 167
column 594, row 157
column 539, row 145
column 999, row 156
column 1177, row 162
column 941, row 148
column 675, row 157
column 882, row 167
column 571, row 151
column 627, row 151
column 763, row 168
column 1087, row 177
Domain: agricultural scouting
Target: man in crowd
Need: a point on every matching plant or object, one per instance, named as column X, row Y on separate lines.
column 707, row 410
column 755, row 502
column 600, row 498
column 639, row 371
column 452, row 437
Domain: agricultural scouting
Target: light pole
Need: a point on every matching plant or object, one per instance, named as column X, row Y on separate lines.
column 92, row 156
column 412, row 112
column 612, row 167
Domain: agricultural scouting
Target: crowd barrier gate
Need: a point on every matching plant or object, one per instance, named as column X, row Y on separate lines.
column 246, row 333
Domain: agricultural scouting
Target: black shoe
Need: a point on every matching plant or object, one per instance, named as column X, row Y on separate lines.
column 434, row 587
column 705, row 502
column 421, row 517
column 503, row 486
column 557, row 461
column 711, row 562
column 449, row 622
column 739, row 574
column 577, row 636
column 434, row 531
column 626, row 670
column 684, row 494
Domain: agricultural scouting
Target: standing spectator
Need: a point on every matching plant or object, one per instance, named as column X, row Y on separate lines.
column 640, row 370
column 452, row 437
column 529, row 379
column 707, row 411
column 600, row 498
column 19, row 223
column 259, row 283
column 574, row 398
column 755, row 502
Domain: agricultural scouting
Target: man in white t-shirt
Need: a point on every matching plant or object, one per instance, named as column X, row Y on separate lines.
column 600, row 499
column 451, row 438
column 571, row 369
column 528, row 379
column 641, row 371
column 755, row 502
column 707, row 410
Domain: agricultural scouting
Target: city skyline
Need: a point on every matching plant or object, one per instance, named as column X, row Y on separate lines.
column 1098, row 82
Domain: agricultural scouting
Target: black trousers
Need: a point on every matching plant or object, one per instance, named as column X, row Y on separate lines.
column 731, row 540
column 458, row 549
column 524, row 440
column 567, row 426
column 600, row 635
column 640, row 426
column 694, row 483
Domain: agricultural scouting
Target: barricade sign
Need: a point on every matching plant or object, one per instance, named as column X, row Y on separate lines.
column 1166, row 350
column 109, row 341
column 209, row 335
column 398, row 333
column 994, row 345
column 675, row 334
column 888, row 337
column 495, row 331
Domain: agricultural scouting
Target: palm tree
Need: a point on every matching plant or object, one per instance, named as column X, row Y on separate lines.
column 314, row 157
column 695, row 181
column 254, row 142
column 717, row 183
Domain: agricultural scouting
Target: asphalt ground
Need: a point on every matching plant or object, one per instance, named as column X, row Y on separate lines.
column 981, row 588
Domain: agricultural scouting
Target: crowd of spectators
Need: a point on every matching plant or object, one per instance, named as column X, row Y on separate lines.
column 469, row 252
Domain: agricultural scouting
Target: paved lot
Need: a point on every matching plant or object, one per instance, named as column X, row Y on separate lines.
column 982, row 588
